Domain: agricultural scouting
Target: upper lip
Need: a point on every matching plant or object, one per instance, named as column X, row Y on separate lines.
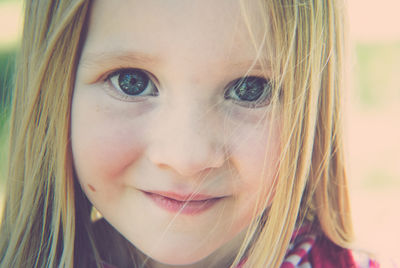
column 183, row 197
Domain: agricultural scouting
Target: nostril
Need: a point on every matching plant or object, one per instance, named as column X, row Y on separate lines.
column 186, row 162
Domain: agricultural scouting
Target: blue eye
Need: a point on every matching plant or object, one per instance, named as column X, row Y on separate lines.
column 250, row 91
column 133, row 82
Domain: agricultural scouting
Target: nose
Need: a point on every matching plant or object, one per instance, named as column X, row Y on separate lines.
column 186, row 140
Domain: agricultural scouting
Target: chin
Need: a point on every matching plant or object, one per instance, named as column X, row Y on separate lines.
column 178, row 257
column 176, row 262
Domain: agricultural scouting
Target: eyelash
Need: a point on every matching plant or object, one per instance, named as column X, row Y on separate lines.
column 118, row 93
column 253, row 98
column 262, row 99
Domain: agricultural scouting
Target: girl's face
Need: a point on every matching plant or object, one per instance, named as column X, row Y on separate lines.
column 168, row 144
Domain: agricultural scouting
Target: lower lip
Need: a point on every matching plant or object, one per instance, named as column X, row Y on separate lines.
column 182, row 207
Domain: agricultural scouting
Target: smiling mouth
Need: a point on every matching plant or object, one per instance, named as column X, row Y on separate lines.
column 182, row 204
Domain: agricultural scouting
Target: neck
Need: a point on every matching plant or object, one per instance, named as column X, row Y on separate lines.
column 221, row 258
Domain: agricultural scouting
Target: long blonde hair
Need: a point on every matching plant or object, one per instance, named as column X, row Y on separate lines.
column 306, row 42
column 46, row 221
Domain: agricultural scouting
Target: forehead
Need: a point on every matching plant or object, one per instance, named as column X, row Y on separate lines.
column 195, row 30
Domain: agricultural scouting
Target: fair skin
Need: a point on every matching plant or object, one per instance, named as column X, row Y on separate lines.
column 174, row 163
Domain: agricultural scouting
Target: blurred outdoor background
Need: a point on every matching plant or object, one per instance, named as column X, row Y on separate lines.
column 372, row 116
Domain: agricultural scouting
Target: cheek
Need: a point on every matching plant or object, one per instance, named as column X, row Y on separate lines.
column 106, row 154
column 104, row 145
column 255, row 157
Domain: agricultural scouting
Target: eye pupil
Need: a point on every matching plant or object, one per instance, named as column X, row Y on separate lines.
column 250, row 89
column 133, row 82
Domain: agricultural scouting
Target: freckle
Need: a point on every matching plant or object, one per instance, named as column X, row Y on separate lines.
column 92, row 188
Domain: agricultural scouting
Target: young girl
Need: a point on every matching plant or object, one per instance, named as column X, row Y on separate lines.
column 206, row 133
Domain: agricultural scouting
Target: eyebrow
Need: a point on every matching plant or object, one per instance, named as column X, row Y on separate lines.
column 120, row 57
column 252, row 65
column 91, row 59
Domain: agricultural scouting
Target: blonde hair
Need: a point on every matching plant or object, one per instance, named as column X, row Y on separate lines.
column 305, row 41
column 42, row 224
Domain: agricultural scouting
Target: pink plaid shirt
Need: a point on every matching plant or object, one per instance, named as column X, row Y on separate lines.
column 308, row 250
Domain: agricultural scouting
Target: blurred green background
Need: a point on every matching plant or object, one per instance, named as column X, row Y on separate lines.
column 10, row 29
column 372, row 111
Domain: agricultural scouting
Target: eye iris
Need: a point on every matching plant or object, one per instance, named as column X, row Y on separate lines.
column 250, row 89
column 133, row 82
